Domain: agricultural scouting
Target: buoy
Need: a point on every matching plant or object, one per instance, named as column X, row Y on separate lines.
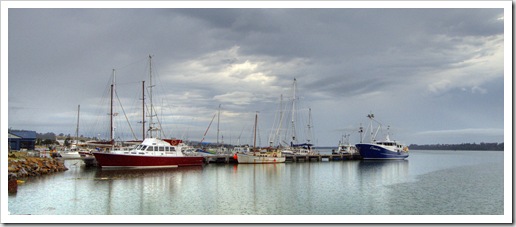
column 235, row 157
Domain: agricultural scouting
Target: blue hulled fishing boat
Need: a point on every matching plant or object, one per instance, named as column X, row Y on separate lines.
column 386, row 149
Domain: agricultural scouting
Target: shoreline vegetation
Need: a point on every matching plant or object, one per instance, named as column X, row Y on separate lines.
column 460, row 147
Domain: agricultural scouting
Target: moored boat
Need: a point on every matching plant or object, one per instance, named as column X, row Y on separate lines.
column 257, row 156
column 151, row 153
column 69, row 154
column 345, row 147
column 386, row 149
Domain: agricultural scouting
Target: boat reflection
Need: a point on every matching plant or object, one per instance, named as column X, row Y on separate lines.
column 121, row 173
column 384, row 171
column 139, row 191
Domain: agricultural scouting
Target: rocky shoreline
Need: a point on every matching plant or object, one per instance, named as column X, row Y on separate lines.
column 22, row 166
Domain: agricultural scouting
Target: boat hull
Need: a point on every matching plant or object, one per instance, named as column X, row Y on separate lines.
column 252, row 159
column 142, row 161
column 70, row 155
column 372, row 151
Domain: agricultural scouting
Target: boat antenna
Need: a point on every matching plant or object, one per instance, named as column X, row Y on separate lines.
column 361, row 131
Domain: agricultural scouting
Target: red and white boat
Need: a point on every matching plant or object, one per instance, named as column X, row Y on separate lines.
column 151, row 153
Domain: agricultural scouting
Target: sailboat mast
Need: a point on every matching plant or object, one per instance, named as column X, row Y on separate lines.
column 143, row 110
column 151, row 121
column 218, row 125
column 309, row 125
column 293, row 112
column 77, row 129
column 112, row 128
column 255, row 126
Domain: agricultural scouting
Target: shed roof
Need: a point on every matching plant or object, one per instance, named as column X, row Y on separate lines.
column 24, row 134
column 12, row 136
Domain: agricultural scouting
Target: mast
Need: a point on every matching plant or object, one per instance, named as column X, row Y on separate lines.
column 361, row 131
column 309, row 125
column 293, row 112
column 255, row 126
column 77, row 129
column 143, row 110
column 112, row 127
column 151, row 122
column 218, row 124
column 207, row 128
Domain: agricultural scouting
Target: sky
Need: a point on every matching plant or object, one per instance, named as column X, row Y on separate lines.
column 429, row 75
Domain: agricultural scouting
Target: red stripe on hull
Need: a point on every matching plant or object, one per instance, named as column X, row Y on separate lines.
column 122, row 160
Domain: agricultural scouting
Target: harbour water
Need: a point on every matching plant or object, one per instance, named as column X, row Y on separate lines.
column 427, row 183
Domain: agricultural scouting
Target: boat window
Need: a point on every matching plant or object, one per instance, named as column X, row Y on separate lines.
column 141, row 152
column 143, row 147
column 161, row 148
column 167, row 148
column 151, row 148
column 172, row 149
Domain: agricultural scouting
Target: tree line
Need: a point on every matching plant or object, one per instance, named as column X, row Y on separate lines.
column 461, row 147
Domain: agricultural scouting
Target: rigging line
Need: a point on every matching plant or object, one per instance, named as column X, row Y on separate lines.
column 208, row 128
column 159, row 123
column 132, row 63
column 125, row 115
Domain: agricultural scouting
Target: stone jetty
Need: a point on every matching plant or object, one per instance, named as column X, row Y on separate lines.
column 23, row 166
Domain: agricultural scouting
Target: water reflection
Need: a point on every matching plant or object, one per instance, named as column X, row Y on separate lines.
column 384, row 171
column 375, row 177
column 140, row 191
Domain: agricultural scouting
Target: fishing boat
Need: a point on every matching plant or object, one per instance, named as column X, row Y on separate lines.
column 153, row 152
column 259, row 156
column 345, row 147
column 386, row 149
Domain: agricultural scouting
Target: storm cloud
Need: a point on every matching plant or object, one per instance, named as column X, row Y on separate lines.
column 434, row 75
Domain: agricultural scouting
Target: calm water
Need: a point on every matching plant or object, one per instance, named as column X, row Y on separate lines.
column 428, row 183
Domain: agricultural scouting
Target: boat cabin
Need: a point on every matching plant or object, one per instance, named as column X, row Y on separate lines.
column 154, row 147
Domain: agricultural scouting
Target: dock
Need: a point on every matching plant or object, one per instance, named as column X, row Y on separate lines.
column 228, row 158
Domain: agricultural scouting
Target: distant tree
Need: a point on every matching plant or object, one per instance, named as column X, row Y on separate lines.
column 48, row 142
column 464, row 147
column 67, row 142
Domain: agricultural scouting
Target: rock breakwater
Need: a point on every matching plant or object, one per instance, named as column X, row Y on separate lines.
column 21, row 166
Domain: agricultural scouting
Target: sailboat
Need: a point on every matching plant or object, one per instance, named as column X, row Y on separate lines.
column 73, row 152
column 259, row 156
column 295, row 147
column 386, row 149
column 152, row 152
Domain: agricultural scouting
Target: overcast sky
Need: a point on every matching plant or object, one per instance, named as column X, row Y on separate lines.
column 432, row 75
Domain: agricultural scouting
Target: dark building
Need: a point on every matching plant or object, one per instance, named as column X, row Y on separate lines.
column 22, row 139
